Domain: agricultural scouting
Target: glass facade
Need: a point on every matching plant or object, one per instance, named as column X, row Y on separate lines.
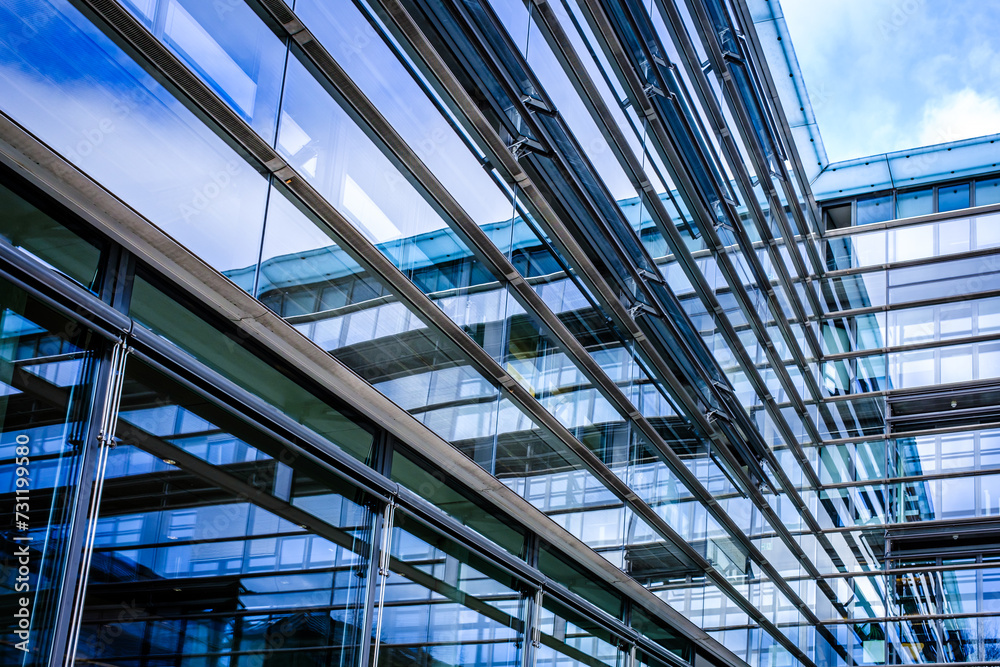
column 479, row 332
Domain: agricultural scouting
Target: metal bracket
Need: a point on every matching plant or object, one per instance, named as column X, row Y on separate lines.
column 651, row 89
column 525, row 145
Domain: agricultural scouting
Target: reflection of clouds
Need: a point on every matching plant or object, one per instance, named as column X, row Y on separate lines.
column 138, row 142
column 378, row 72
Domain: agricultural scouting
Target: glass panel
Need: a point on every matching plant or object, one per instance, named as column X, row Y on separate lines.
column 953, row 197
column 226, row 45
column 908, row 243
column 48, row 234
column 335, row 155
column 914, row 202
column 651, row 626
column 227, row 354
column 554, row 564
column 46, row 379
column 874, row 209
column 569, row 640
column 374, row 68
column 988, row 192
column 419, row 475
column 322, row 291
column 213, row 539
column 943, row 279
column 444, row 605
column 77, row 91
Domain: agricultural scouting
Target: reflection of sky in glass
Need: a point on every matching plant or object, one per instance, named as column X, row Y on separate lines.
column 230, row 49
column 370, row 63
column 80, row 94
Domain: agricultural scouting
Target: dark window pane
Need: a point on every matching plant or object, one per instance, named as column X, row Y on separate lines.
column 48, row 237
column 556, row 565
column 418, row 475
column 953, row 197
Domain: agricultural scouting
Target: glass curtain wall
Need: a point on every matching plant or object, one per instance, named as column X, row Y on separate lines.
column 218, row 540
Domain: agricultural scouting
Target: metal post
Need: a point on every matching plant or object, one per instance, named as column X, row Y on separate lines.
column 106, row 442
column 383, row 572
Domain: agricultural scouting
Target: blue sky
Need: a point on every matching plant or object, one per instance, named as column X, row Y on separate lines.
column 887, row 75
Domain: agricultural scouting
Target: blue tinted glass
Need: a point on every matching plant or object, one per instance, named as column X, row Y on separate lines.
column 228, row 46
column 335, row 155
column 79, row 93
column 378, row 72
column 988, row 192
column 914, row 202
column 443, row 606
column 953, row 197
column 46, row 380
column 874, row 209
column 211, row 537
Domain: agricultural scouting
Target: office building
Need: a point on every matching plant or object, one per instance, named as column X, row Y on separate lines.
column 481, row 332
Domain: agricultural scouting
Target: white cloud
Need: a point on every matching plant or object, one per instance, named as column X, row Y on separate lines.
column 960, row 115
column 896, row 74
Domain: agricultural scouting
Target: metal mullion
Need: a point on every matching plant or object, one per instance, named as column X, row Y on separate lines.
column 99, row 441
column 682, row 252
column 660, row 215
column 942, row 216
column 565, row 243
column 960, row 386
column 915, row 478
column 479, row 241
column 672, row 460
column 935, row 344
column 382, row 558
column 780, row 266
column 911, row 434
column 910, row 305
column 732, row 152
column 915, row 618
column 605, row 122
column 767, row 83
column 738, row 167
column 663, row 143
column 915, row 526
